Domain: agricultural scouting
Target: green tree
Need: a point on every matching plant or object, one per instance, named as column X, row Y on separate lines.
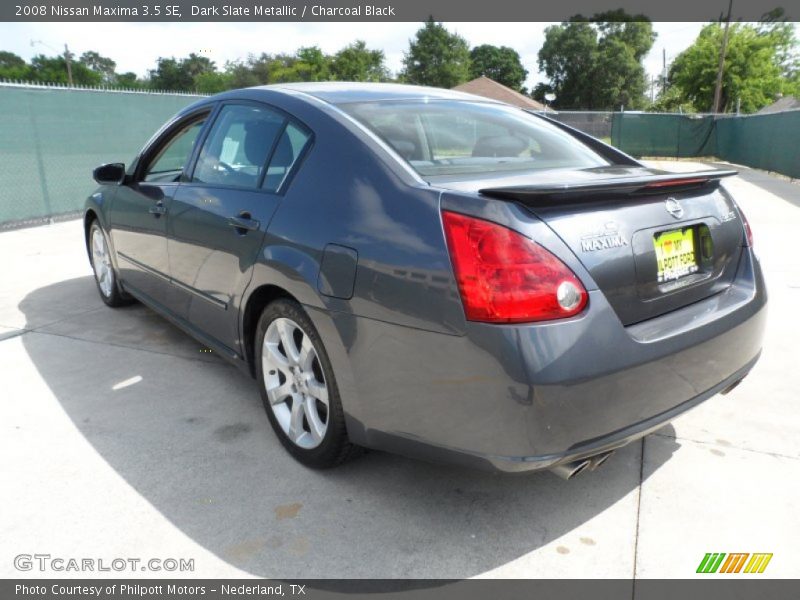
column 568, row 58
column 180, row 75
column 502, row 64
column 597, row 63
column 307, row 64
column 625, row 41
column 13, row 66
column 787, row 52
column 256, row 70
column 672, row 100
column 212, row 82
column 275, row 68
column 241, row 74
column 101, row 65
column 311, row 64
column 356, row 62
column 620, row 77
column 436, row 57
column 754, row 72
column 129, row 80
column 197, row 65
column 54, row 70
column 635, row 31
column 169, row 75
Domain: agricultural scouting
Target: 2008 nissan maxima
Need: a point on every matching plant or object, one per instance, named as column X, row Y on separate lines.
column 432, row 273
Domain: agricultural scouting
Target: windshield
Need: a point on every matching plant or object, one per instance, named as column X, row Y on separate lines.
column 451, row 137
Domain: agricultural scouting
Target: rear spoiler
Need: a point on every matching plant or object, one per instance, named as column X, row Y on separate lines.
column 590, row 191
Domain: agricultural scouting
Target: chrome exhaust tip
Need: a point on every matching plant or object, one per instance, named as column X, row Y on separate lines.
column 731, row 387
column 596, row 461
column 571, row 469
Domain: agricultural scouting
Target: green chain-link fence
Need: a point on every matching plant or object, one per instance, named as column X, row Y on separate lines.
column 51, row 138
column 762, row 141
column 595, row 123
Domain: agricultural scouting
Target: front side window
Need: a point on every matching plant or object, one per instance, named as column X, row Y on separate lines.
column 238, row 146
column 168, row 163
column 451, row 137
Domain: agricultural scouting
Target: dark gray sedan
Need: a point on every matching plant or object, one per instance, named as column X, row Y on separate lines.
column 432, row 273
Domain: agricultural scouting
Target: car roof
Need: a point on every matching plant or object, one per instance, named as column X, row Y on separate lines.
column 340, row 92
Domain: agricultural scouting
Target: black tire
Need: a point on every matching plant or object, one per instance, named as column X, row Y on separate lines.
column 113, row 296
column 335, row 447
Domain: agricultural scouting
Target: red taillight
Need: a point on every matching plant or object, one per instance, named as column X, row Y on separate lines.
column 504, row 277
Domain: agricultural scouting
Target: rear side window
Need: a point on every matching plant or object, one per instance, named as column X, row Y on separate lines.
column 236, row 150
column 289, row 149
column 451, row 137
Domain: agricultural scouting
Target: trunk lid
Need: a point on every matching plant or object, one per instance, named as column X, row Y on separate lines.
column 652, row 241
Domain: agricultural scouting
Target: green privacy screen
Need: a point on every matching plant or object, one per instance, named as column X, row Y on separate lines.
column 52, row 138
column 770, row 142
column 767, row 142
column 653, row 134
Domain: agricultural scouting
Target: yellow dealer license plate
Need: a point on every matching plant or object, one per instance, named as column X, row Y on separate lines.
column 675, row 254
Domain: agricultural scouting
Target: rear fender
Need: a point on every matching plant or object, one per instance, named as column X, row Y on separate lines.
column 295, row 272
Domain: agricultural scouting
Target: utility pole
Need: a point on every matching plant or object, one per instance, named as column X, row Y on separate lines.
column 663, row 70
column 67, row 56
column 69, row 65
column 718, row 88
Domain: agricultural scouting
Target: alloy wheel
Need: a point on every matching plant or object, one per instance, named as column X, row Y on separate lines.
column 295, row 384
column 101, row 262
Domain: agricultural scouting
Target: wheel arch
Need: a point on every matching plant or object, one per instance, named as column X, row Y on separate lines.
column 89, row 217
column 257, row 301
column 327, row 327
column 95, row 209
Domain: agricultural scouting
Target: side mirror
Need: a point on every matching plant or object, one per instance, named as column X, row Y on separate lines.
column 109, row 173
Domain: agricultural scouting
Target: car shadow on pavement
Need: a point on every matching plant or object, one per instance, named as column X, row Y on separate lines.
column 189, row 434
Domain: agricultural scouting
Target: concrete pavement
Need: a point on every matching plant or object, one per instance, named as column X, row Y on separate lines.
column 120, row 437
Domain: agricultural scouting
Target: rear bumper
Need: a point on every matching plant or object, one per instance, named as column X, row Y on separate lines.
column 515, row 464
column 518, row 398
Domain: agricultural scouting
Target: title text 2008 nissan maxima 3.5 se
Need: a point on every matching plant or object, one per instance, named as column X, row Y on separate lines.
column 432, row 273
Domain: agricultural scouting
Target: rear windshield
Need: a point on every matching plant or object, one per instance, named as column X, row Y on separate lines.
column 450, row 137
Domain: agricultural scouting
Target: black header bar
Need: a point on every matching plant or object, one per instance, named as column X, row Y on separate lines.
column 710, row 588
column 378, row 10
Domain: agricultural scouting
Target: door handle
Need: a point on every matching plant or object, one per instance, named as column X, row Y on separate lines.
column 157, row 209
column 243, row 223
